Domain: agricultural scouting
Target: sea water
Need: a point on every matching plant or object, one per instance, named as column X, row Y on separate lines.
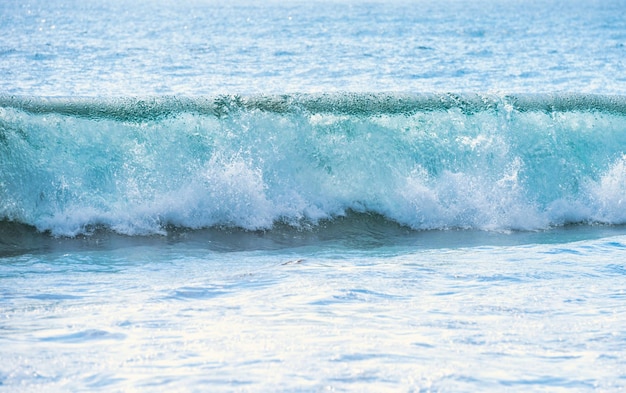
column 312, row 196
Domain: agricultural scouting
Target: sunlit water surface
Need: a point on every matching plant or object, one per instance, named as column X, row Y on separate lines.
column 499, row 264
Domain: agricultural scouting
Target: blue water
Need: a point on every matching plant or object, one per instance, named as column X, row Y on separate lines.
column 312, row 196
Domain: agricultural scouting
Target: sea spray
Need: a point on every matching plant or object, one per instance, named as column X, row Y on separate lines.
column 137, row 166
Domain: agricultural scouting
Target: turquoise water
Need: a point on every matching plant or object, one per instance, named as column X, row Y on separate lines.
column 423, row 161
column 312, row 196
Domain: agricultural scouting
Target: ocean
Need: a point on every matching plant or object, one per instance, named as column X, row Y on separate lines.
column 305, row 196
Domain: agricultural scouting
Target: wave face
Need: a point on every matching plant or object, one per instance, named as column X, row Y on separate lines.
column 140, row 166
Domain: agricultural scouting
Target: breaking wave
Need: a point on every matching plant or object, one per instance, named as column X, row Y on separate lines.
column 426, row 161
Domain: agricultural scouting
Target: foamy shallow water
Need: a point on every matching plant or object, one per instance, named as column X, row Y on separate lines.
column 505, row 314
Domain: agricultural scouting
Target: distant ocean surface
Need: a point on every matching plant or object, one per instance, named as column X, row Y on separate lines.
column 419, row 196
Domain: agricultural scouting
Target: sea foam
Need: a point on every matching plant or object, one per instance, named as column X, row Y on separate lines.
column 140, row 165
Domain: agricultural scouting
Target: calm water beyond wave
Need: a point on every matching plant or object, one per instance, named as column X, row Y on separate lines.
column 402, row 196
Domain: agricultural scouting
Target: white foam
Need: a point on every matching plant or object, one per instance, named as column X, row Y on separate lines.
column 494, row 170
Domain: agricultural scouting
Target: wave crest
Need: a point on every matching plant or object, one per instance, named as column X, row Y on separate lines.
column 363, row 104
column 425, row 161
